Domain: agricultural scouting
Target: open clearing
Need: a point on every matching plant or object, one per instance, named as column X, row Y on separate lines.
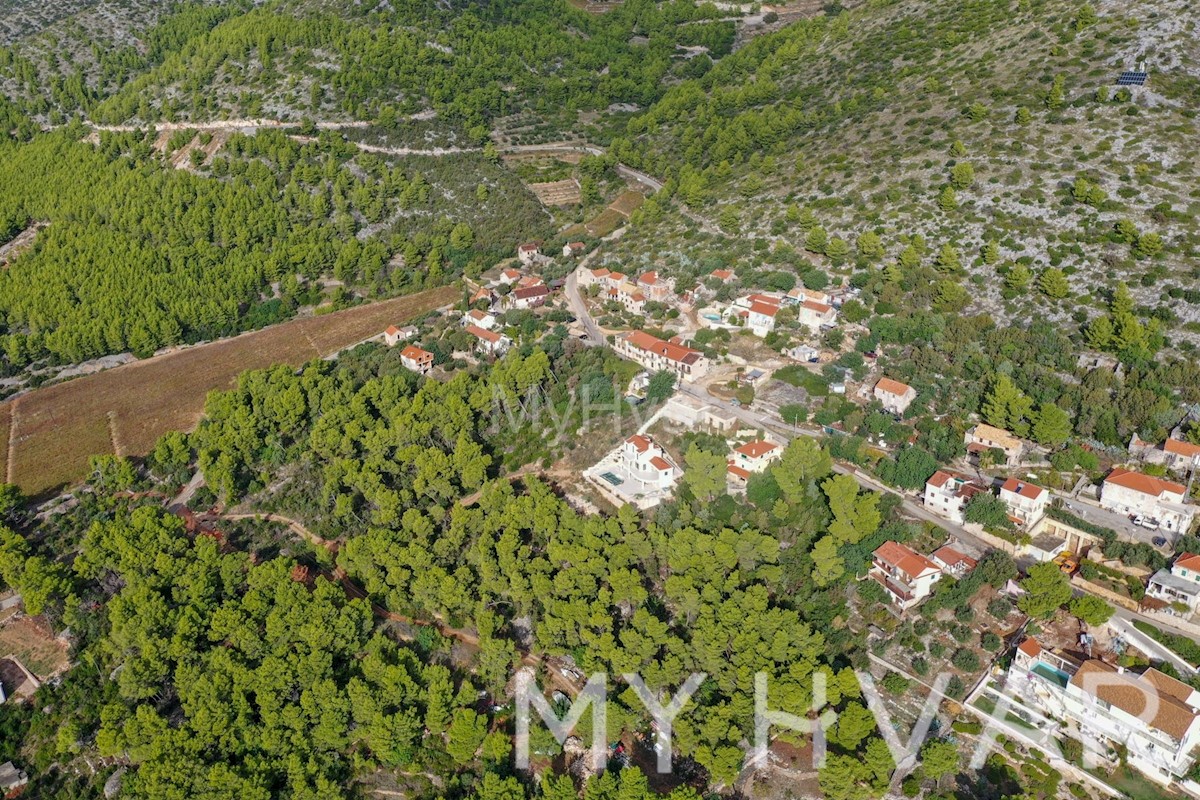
column 126, row 409
column 557, row 193
column 31, row 641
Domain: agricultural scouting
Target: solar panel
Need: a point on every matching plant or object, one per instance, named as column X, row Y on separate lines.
column 1133, row 79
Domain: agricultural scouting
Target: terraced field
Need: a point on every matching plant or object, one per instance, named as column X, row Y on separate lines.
column 52, row 431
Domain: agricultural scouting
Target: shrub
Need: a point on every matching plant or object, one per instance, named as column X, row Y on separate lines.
column 966, row 660
column 991, row 642
column 895, row 683
column 1001, row 608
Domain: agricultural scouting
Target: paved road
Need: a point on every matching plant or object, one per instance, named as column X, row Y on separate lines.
column 1090, row 510
column 579, row 309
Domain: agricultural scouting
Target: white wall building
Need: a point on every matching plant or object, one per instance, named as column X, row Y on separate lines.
column 1179, row 584
column 655, row 354
column 1128, row 492
column 895, row 396
column 906, row 575
column 1153, row 716
column 1026, row 502
column 947, row 494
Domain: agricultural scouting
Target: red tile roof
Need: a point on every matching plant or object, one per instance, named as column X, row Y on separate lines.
column 480, row 333
column 392, row 330
column 757, row 448
column 648, row 278
column 600, row 272
column 528, row 247
column 1030, row 647
column 764, row 298
column 1145, row 484
column 891, row 387
column 1188, row 561
column 902, row 558
column 813, row 305
column 660, row 463
column 951, row 557
column 766, row 309
column 642, row 443
column 737, row 471
column 1180, row 448
column 672, row 351
column 722, row 274
column 415, row 353
column 1023, row 488
column 941, row 478
column 532, row 291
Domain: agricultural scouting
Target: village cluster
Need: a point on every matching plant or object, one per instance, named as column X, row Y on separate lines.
column 1050, row 689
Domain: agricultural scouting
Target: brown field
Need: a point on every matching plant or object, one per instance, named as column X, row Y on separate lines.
column 127, row 408
column 557, row 193
column 31, row 641
column 628, row 202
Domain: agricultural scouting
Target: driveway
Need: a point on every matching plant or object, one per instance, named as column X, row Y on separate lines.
column 579, row 309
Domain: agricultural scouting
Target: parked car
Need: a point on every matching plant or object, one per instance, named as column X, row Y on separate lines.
column 1159, row 541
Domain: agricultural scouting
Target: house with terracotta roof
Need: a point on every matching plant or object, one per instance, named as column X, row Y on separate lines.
column 952, row 562
column 638, row 472
column 947, row 494
column 723, row 275
column 753, row 457
column 907, row 575
column 1179, row 584
column 983, row 437
column 394, row 335
column 593, row 277
column 628, row 296
column 528, row 297
column 1180, row 456
column 802, row 294
column 761, row 317
column 1026, row 502
column 1129, row 492
column 654, row 354
column 416, row 359
column 483, row 319
column 815, row 315
column 895, row 396
column 527, row 253
column 526, row 281
column 573, row 249
column 655, row 287
column 1152, row 717
column 489, row 342
column 483, row 294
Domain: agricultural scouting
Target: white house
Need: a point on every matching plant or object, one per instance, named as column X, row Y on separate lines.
column 527, row 253
column 753, row 457
column 947, row 494
column 906, row 575
column 655, row 354
column 803, row 353
column 647, row 464
column 1026, row 503
column 801, row 294
column 895, row 396
column 952, row 562
column 483, row 319
column 573, row 249
column 987, row 437
column 761, row 319
column 528, row 297
column 1179, row 584
column 1128, row 492
column 489, row 342
column 1154, row 718
column 814, row 315
column 393, row 335
column 1179, row 455
column 416, row 359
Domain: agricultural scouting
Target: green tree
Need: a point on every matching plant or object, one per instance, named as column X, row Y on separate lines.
column 1053, row 283
column 948, row 200
column 804, row 462
column 1056, row 95
column 466, row 735
column 704, row 473
column 661, row 386
column 962, row 175
column 870, row 246
column 1090, row 609
column 1052, row 426
column 1148, row 245
column 1018, row 278
column 939, row 759
column 1046, row 590
column 855, row 516
column 948, row 260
